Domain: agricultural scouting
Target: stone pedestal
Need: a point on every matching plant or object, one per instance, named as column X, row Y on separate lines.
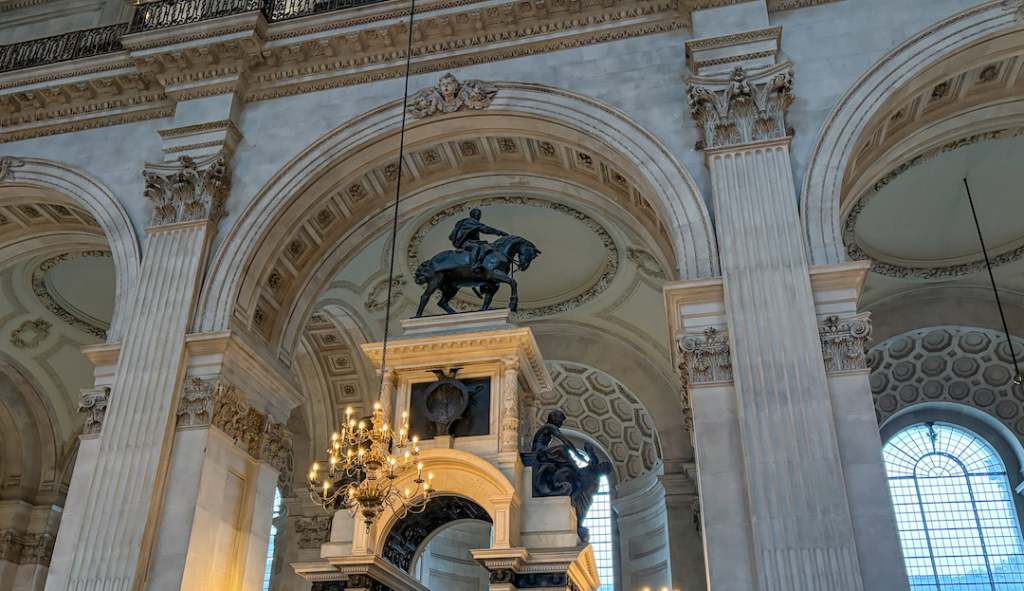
column 534, row 542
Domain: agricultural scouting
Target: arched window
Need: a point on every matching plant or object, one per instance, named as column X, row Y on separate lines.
column 599, row 522
column 954, row 509
column 270, row 547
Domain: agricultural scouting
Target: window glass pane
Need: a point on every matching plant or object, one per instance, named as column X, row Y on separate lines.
column 599, row 522
column 954, row 510
column 270, row 547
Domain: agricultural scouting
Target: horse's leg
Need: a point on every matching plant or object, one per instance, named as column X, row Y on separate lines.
column 425, row 298
column 446, row 296
column 513, row 301
column 488, row 296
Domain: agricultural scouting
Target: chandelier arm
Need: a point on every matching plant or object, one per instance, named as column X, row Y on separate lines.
column 1019, row 378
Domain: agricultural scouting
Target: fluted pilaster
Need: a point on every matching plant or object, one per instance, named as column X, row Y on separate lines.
column 800, row 514
column 107, row 547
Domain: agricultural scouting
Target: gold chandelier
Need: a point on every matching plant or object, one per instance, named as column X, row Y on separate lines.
column 364, row 465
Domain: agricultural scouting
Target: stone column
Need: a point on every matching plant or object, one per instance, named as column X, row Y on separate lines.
column 645, row 560
column 800, row 526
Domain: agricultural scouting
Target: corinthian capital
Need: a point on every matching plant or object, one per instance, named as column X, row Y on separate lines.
column 188, row 191
column 741, row 107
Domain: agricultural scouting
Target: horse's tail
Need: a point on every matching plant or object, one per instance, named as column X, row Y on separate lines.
column 423, row 273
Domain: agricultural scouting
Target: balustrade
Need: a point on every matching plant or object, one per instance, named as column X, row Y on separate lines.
column 61, row 48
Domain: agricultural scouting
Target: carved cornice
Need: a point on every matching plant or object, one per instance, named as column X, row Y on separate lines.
column 22, row 548
column 843, row 342
column 186, row 193
column 705, row 357
column 313, row 531
column 215, row 403
column 94, row 404
column 741, row 107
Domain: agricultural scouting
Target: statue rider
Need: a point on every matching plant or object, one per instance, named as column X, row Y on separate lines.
column 466, row 236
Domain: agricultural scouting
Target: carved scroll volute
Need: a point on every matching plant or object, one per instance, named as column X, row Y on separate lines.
column 741, row 107
column 844, row 342
column 510, row 404
column 94, row 404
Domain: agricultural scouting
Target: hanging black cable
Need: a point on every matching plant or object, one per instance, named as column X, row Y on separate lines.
column 398, row 194
column 1019, row 377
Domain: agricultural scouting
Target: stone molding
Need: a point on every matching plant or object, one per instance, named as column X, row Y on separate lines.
column 705, row 357
column 313, row 531
column 450, row 95
column 94, row 403
column 189, row 191
column 948, row 364
column 891, row 268
column 509, row 438
column 843, row 342
column 741, row 107
column 752, row 39
column 42, row 292
column 22, row 548
column 215, row 403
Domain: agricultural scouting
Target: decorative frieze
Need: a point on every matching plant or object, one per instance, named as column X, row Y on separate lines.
column 741, row 107
column 187, row 193
column 704, row 357
column 94, row 404
column 215, row 403
column 26, row 548
column 313, row 531
column 686, row 406
column 843, row 342
column 449, row 96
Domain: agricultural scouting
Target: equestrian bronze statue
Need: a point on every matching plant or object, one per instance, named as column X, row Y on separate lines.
column 475, row 263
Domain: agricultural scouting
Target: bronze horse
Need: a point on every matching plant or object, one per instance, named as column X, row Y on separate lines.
column 451, row 270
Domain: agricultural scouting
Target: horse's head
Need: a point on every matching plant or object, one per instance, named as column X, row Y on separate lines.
column 527, row 252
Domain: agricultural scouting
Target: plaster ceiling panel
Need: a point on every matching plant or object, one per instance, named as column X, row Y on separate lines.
column 85, row 287
column 573, row 255
column 923, row 217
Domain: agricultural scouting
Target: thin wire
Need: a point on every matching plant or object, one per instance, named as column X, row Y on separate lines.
column 398, row 194
column 988, row 265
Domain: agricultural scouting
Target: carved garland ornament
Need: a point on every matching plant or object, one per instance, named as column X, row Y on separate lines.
column 449, row 96
column 189, row 194
column 30, row 333
column 213, row 402
column 740, row 109
column 843, row 342
column 42, row 291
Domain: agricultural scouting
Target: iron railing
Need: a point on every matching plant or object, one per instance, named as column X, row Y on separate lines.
column 282, row 10
column 168, row 13
column 62, row 48
column 151, row 16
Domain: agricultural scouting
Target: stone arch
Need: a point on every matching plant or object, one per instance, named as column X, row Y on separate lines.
column 461, row 474
column 857, row 112
column 31, row 449
column 275, row 245
column 408, row 536
column 598, row 405
column 60, row 184
column 957, row 365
